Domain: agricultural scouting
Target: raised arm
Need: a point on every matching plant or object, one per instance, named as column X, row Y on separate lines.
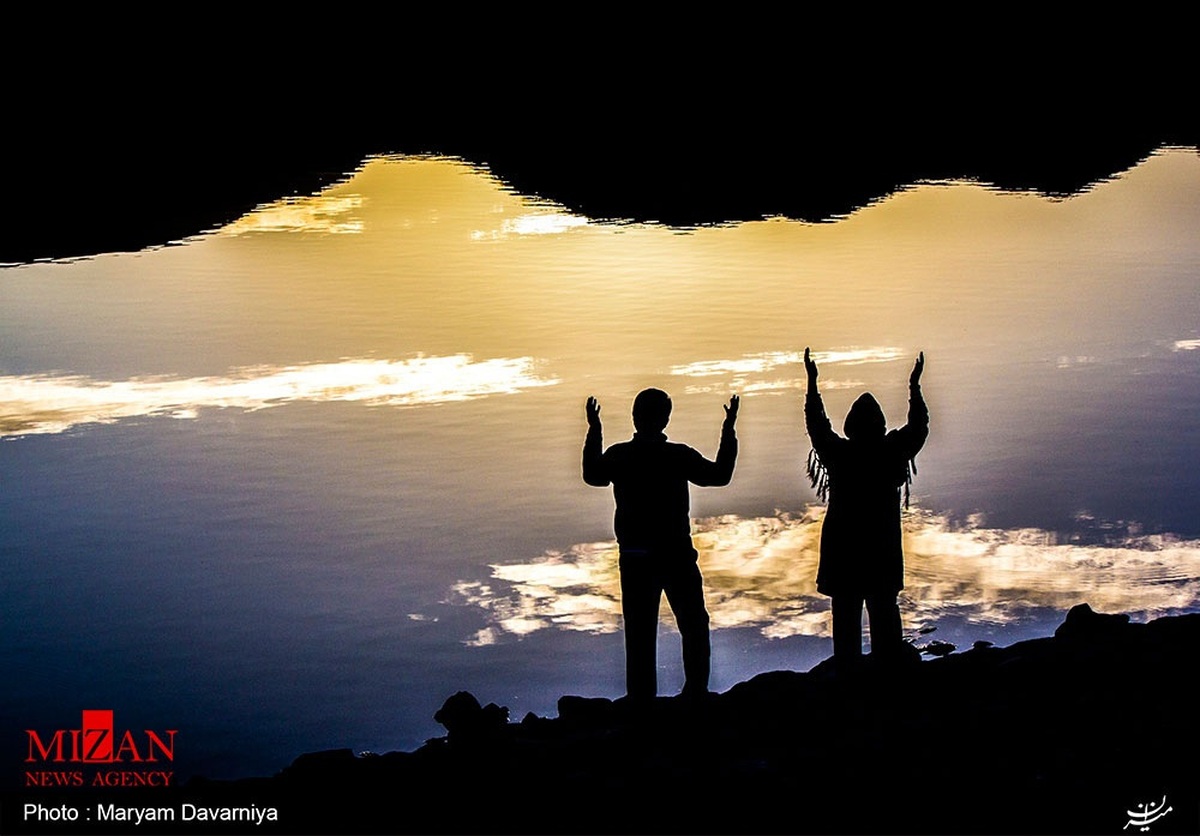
column 731, row 413
column 816, row 422
column 727, row 452
column 714, row 474
column 593, row 448
column 810, row 369
column 917, row 429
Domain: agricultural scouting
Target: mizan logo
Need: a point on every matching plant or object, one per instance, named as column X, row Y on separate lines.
column 141, row 756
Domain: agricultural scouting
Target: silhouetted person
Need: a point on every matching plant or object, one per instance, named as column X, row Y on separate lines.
column 650, row 477
column 861, row 475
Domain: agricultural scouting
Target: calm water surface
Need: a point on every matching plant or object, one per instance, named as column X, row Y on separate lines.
column 288, row 485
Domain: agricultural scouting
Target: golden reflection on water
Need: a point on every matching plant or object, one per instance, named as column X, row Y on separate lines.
column 536, row 223
column 765, row 372
column 32, row 404
column 771, row 360
column 436, row 261
column 761, row 573
column 1057, row 332
column 315, row 213
column 447, row 260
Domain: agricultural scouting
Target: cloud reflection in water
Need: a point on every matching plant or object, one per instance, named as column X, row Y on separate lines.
column 749, row 371
column 54, row 403
column 534, row 223
column 771, row 360
column 760, row 573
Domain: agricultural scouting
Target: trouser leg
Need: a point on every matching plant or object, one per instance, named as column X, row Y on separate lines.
column 684, row 586
column 640, row 595
column 884, row 614
column 847, row 626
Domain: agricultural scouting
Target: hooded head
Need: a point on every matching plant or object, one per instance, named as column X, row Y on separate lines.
column 865, row 419
column 651, row 411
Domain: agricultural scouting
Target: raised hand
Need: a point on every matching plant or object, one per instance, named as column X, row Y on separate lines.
column 918, row 367
column 593, row 413
column 731, row 412
column 810, row 366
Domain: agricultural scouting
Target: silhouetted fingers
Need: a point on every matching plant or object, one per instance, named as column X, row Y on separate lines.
column 918, row 367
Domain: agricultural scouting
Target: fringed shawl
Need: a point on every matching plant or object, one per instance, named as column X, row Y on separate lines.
column 818, row 476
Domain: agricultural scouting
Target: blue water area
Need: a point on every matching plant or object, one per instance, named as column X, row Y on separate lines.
column 288, row 486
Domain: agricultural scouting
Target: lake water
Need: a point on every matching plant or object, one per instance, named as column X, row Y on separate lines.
column 288, row 485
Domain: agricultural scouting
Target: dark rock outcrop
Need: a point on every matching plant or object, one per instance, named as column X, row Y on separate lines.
column 468, row 722
column 1056, row 735
column 1084, row 623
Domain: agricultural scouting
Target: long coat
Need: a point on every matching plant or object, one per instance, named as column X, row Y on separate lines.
column 861, row 551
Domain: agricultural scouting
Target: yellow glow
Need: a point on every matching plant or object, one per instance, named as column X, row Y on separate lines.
column 751, row 373
column 761, row 572
column 49, row 404
column 317, row 213
column 958, row 270
column 537, row 223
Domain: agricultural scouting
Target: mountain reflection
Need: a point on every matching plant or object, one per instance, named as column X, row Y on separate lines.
column 760, row 573
column 50, row 404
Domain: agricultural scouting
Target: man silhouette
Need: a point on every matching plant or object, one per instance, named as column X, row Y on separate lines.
column 650, row 477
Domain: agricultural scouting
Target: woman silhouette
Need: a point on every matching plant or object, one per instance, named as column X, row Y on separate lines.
column 862, row 560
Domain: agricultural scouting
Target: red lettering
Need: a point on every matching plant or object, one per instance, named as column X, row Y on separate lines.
column 97, row 742
column 97, row 746
column 51, row 778
column 153, row 741
column 123, row 778
column 127, row 747
column 98, row 736
column 43, row 749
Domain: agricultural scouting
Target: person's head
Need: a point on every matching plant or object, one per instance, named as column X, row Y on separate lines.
column 651, row 411
column 865, row 418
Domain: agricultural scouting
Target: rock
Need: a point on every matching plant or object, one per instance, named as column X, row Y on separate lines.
column 323, row 760
column 584, row 711
column 457, row 710
column 465, row 719
column 1084, row 623
column 1043, row 736
column 938, row 648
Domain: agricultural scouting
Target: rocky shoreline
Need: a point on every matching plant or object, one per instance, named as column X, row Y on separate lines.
column 1065, row 734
